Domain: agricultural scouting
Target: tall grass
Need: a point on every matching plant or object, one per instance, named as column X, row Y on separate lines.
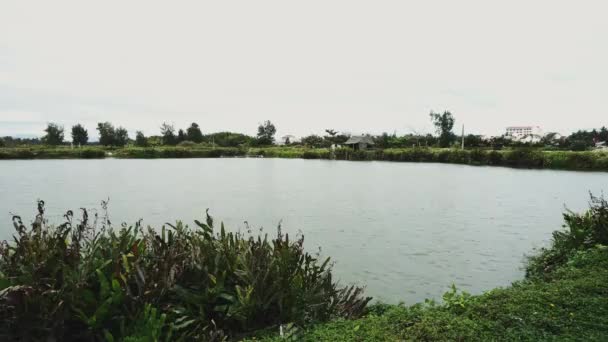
column 85, row 280
column 179, row 152
column 518, row 158
column 581, row 231
column 51, row 153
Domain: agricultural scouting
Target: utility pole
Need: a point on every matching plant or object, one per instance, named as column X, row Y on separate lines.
column 462, row 147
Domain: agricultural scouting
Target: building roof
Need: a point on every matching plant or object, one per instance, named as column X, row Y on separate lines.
column 359, row 139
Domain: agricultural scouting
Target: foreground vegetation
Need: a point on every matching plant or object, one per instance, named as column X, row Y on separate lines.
column 564, row 297
column 521, row 158
column 86, row 281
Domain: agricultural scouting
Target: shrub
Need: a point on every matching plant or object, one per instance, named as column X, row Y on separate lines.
column 583, row 231
column 187, row 143
column 86, row 280
column 526, row 158
column 495, row 158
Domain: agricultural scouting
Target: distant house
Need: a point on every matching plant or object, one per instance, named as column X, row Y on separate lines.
column 360, row 142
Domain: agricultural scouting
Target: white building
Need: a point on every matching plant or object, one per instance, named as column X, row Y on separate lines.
column 521, row 131
column 525, row 133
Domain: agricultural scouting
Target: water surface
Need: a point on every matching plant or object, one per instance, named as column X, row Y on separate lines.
column 406, row 230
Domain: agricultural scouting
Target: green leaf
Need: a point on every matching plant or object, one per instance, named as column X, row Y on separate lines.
column 125, row 263
column 108, row 336
column 103, row 283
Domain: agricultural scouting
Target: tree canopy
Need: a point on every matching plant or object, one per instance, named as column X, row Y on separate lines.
column 122, row 137
column 110, row 136
column 167, row 131
column 313, row 140
column 443, row 126
column 54, row 134
column 80, row 136
column 266, row 132
column 194, row 133
column 140, row 139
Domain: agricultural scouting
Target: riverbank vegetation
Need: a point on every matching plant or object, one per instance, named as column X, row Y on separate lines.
column 518, row 158
column 444, row 123
column 563, row 297
column 86, row 281
column 551, row 152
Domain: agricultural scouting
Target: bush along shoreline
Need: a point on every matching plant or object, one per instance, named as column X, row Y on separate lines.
column 515, row 158
column 86, row 281
column 564, row 297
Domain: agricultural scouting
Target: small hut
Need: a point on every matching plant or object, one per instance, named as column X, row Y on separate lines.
column 360, row 142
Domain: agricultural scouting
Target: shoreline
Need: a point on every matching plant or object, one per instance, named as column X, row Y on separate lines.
column 512, row 158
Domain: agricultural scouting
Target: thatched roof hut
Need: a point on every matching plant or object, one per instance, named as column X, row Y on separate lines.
column 360, row 142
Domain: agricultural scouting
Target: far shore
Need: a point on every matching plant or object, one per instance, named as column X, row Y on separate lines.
column 517, row 158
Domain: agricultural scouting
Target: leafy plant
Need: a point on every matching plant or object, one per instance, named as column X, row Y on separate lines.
column 86, row 280
column 582, row 231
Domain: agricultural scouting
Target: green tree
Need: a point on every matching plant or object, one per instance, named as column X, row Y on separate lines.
column 54, row 134
column 121, row 137
column 228, row 139
column 331, row 132
column 140, row 139
column 181, row 136
column 194, row 133
column 168, row 133
column 313, row 141
column 107, row 133
column 331, row 136
column 80, row 136
column 603, row 135
column 473, row 141
column 266, row 132
column 443, row 126
column 385, row 140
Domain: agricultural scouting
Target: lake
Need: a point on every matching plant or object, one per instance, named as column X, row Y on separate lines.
column 405, row 230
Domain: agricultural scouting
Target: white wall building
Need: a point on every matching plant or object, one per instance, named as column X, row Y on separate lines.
column 525, row 133
column 520, row 131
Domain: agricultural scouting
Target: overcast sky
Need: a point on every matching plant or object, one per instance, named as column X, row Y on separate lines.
column 355, row 66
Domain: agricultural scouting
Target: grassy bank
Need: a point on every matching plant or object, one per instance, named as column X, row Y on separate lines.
column 572, row 306
column 564, row 297
column 179, row 152
column 52, row 153
column 518, row 158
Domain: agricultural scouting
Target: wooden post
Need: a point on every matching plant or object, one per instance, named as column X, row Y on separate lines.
column 462, row 147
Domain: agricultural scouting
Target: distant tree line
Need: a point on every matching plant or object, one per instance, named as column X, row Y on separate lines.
column 444, row 122
column 109, row 135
